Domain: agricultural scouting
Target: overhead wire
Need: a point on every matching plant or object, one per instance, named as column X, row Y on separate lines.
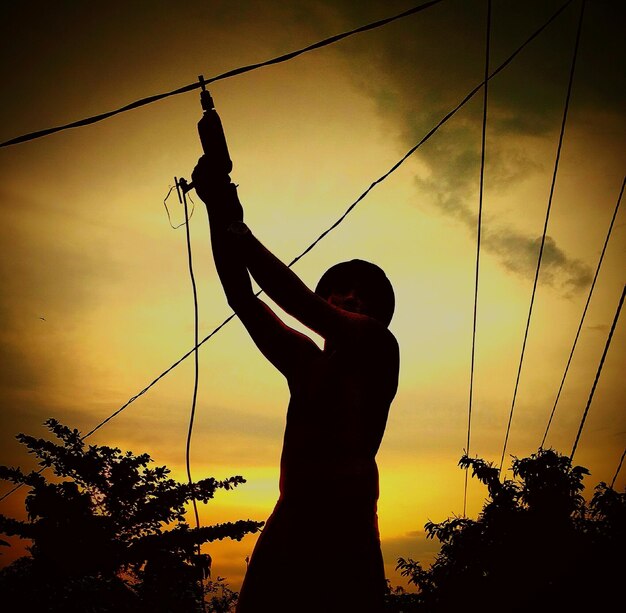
column 597, row 377
column 196, row 357
column 478, row 234
column 196, row 378
column 466, row 99
column 545, row 225
column 582, row 319
column 451, row 113
column 225, row 75
column 619, row 467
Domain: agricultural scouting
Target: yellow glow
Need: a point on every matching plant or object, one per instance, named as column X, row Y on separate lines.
column 88, row 246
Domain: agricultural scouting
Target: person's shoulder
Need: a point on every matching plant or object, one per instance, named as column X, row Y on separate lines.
column 384, row 360
column 375, row 333
column 392, row 344
column 380, row 330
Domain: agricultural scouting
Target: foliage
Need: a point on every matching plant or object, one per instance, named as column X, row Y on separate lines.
column 98, row 533
column 221, row 599
column 536, row 545
column 398, row 600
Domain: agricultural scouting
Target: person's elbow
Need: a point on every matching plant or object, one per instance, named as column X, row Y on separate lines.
column 241, row 303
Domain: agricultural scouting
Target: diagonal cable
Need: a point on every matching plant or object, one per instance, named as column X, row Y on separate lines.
column 478, row 233
column 582, row 319
column 595, row 382
column 350, row 208
column 545, row 226
column 225, row 75
column 619, row 467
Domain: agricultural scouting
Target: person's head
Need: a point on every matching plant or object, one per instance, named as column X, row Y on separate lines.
column 358, row 286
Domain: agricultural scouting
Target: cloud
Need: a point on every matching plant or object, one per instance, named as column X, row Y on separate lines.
column 452, row 186
column 419, row 68
column 434, row 55
column 413, row 544
column 599, row 328
column 519, row 253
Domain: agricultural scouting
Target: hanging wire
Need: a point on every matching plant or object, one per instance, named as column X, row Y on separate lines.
column 169, row 218
column 196, row 359
column 196, row 378
column 545, row 226
column 478, row 233
column 595, row 382
column 468, row 97
column 619, row 467
column 582, row 319
column 225, row 75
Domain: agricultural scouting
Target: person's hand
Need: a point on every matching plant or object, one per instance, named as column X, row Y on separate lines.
column 217, row 192
column 209, row 185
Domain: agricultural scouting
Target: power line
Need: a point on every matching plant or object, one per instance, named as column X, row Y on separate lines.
column 480, row 216
column 595, row 382
column 619, row 467
column 196, row 375
column 196, row 361
column 545, row 226
column 582, row 319
column 225, row 75
column 413, row 149
column 157, row 379
column 467, row 98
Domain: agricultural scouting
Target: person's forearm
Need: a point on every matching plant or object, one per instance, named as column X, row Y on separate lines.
column 275, row 278
column 219, row 195
column 230, row 267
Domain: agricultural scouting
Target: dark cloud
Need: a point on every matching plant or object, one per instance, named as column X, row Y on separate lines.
column 420, row 68
column 452, row 185
column 519, row 253
column 437, row 54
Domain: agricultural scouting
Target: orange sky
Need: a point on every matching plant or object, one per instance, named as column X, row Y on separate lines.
column 87, row 245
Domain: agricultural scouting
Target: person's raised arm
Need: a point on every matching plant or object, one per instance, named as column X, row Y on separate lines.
column 283, row 346
column 286, row 289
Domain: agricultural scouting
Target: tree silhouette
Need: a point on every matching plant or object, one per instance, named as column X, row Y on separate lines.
column 536, row 545
column 98, row 533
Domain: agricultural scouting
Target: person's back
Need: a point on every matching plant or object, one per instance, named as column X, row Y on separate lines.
column 324, row 530
column 337, row 416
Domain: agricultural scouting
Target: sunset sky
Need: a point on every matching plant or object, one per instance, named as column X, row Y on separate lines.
column 87, row 246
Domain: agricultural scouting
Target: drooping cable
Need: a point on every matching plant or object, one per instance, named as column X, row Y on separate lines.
column 619, row 467
column 545, row 226
column 231, row 73
column 582, row 319
column 167, row 210
column 478, row 233
column 466, row 99
column 196, row 358
column 195, row 382
column 595, row 382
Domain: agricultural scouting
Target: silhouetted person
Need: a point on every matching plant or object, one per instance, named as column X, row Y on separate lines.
column 320, row 548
